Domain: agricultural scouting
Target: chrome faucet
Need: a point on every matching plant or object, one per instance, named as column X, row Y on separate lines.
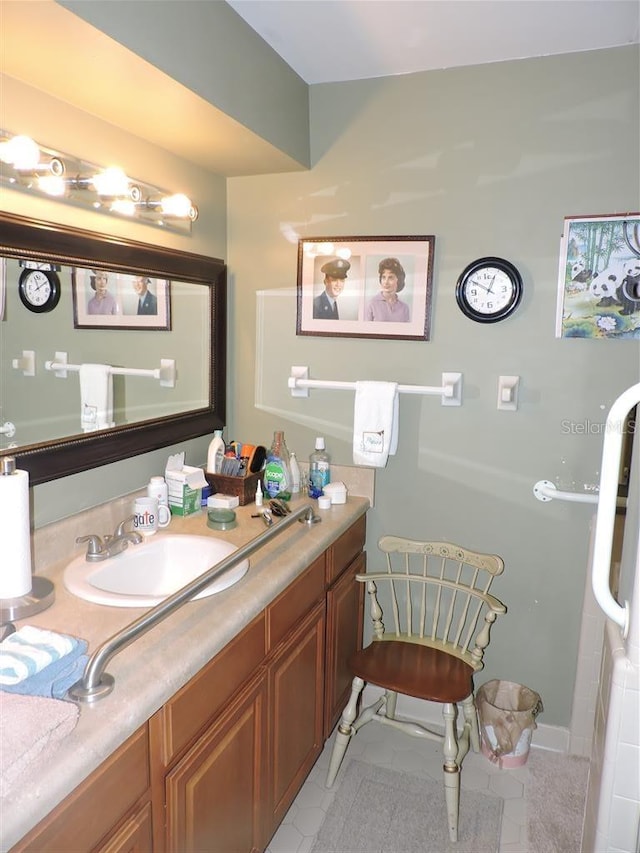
column 101, row 549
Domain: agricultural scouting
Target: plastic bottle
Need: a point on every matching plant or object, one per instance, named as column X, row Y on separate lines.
column 277, row 474
column 158, row 488
column 215, row 453
column 259, row 494
column 319, row 469
column 295, row 473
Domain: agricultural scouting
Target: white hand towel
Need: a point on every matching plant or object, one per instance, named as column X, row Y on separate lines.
column 96, row 397
column 375, row 423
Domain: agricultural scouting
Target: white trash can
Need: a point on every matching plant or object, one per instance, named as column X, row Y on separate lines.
column 507, row 713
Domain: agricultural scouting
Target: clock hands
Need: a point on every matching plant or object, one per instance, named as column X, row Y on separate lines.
column 484, row 286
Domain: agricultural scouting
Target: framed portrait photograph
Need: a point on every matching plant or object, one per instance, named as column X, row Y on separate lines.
column 365, row 287
column 114, row 300
column 599, row 277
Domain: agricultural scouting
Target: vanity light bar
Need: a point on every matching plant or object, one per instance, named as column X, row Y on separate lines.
column 28, row 165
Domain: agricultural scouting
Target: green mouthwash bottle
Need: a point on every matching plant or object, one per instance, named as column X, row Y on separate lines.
column 277, row 475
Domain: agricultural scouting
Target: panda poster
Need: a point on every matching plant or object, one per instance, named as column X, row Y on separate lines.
column 599, row 277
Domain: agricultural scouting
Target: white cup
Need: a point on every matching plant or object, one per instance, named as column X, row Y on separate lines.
column 149, row 515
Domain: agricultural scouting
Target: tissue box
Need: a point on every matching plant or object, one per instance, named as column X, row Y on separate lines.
column 184, row 486
column 242, row 487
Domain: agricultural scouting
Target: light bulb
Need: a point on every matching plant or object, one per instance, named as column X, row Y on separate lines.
column 111, row 182
column 176, row 205
column 124, row 206
column 22, row 152
column 52, row 185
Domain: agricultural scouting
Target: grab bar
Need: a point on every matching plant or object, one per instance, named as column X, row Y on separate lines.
column 96, row 683
column 545, row 490
column 605, row 518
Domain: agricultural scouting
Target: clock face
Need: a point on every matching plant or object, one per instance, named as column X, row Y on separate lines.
column 39, row 290
column 489, row 290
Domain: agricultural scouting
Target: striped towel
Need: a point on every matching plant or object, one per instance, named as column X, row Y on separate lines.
column 28, row 649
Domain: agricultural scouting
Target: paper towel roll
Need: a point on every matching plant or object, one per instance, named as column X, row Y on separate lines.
column 15, row 544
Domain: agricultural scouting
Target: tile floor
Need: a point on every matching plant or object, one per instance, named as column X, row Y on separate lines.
column 384, row 746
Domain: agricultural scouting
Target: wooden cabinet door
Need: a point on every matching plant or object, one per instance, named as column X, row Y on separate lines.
column 98, row 805
column 345, row 602
column 296, row 677
column 216, row 793
column 134, row 836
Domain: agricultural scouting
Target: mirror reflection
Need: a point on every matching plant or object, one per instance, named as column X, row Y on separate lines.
column 95, row 324
column 99, row 336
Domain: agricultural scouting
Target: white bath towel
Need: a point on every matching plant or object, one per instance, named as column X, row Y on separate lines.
column 96, row 397
column 375, row 423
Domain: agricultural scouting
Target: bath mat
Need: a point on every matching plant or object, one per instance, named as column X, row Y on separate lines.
column 377, row 810
column 556, row 792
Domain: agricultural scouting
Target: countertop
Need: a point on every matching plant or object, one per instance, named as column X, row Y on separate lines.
column 149, row 671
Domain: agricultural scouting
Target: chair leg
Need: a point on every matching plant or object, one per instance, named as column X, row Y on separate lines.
column 390, row 705
column 345, row 731
column 471, row 717
column 451, row 770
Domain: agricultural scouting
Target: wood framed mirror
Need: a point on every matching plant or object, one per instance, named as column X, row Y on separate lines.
column 50, row 438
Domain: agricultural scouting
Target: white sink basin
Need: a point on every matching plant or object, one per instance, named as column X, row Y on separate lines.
column 145, row 574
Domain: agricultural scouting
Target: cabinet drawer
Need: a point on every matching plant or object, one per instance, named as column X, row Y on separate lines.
column 97, row 805
column 295, row 602
column 344, row 549
column 207, row 693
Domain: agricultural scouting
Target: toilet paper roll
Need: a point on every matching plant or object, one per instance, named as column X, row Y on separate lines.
column 15, row 544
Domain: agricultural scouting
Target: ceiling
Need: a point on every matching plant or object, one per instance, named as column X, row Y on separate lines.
column 322, row 40
column 337, row 40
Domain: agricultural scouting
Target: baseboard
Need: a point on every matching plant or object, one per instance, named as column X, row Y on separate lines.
column 554, row 738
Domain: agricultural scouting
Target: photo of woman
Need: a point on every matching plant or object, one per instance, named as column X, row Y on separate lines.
column 386, row 307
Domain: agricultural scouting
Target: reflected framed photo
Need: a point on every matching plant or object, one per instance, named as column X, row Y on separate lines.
column 365, row 287
column 103, row 299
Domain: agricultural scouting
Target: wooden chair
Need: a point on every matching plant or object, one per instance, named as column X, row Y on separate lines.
column 440, row 618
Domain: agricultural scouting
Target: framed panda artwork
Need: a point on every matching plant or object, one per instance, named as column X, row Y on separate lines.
column 599, row 277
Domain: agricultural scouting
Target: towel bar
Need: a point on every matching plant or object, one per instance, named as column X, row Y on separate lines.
column 450, row 390
column 166, row 373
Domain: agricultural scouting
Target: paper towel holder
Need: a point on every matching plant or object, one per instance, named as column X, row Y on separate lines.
column 42, row 591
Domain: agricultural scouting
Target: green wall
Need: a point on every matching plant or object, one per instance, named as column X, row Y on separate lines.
column 489, row 159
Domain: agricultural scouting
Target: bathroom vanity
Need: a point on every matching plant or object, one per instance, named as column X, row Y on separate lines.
column 217, row 714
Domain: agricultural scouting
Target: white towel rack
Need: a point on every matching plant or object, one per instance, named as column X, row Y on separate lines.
column 8, row 429
column 450, row 390
column 545, row 490
column 166, row 373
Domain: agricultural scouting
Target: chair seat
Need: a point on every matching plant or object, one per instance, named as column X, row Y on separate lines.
column 414, row 670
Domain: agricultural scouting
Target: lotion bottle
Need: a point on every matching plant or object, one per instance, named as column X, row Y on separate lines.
column 215, row 453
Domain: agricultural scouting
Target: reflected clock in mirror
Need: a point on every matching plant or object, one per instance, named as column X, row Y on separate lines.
column 39, row 290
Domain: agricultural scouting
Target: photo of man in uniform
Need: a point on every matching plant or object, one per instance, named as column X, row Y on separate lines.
column 325, row 306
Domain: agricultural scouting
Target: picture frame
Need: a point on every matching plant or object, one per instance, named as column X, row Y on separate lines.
column 106, row 299
column 356, row 288
column 599, row 277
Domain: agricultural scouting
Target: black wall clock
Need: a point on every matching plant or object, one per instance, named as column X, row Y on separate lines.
column 489, row 290
column 39, row 290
